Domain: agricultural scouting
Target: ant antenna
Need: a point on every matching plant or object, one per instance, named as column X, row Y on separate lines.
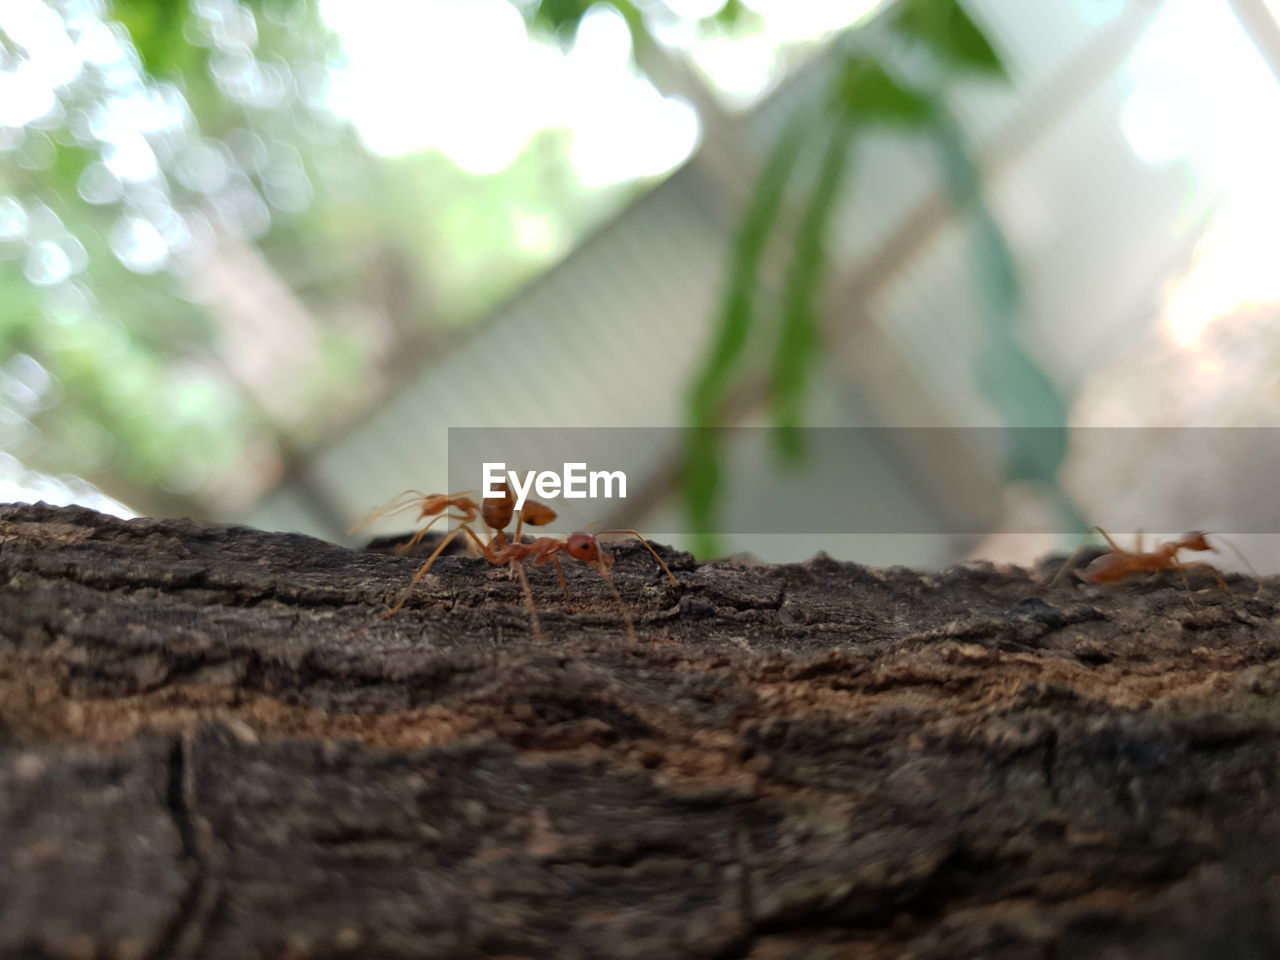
column 1245, row 560
column 392, row 507
column 648, row 546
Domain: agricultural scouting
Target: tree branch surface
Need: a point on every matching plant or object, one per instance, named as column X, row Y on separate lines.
column 212, row 746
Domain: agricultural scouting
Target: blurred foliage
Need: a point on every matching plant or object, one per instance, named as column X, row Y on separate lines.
column 204, row 265
column 868, row 90
column 949, row 33
column 203, row 270
column 560, row 18
column 178, row 129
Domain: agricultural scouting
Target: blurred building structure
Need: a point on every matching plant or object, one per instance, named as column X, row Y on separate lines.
column 1091, row 159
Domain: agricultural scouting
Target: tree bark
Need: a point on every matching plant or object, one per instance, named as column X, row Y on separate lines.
column 211, row 745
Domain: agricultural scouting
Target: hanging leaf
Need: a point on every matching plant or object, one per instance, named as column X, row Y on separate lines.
column 561, row 17
column 949, row 32
column 867, row 92
column 736, row 314
column 732, row 14
column 798, row 342
column 1018, row 387
column 862, row 94
column 701, row 479
column 156, row 30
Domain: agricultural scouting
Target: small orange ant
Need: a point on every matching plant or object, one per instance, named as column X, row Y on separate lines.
column 431, row 505
column 1120, row 564
column 583, row 547
column 497, row 512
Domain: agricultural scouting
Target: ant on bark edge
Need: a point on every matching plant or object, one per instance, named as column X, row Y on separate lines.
column 1119, row 564
column 497, row 514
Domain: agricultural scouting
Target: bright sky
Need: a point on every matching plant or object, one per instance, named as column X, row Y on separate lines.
column 1219, row 120
column 462, row 77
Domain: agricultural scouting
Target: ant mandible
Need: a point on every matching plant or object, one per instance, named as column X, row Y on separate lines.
column 1120, row 564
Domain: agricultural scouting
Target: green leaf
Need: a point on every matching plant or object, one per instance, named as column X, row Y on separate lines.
column 947, row 29
column 736, row 310
column 701, row 478
column 1013, row 382
column 701, row 482
column 731, row 14
column 156, row 29
column 799, row 338
column 69, row 162
column 867, row 92
column 561, row 17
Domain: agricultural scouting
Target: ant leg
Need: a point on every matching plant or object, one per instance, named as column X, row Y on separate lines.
column 622, row 607
column 1115, row 546
column 485, row 551
column 1066, row 565
column 665, row 569
column 1217, row 574
column 1186, row 585
column 406, row 547
column 497, row 541
column 563, row 585
column 528, row 599
column 422, row 570
column 410, row 544
column 1075, row 554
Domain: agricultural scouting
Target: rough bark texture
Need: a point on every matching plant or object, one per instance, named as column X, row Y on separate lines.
column 211, row 746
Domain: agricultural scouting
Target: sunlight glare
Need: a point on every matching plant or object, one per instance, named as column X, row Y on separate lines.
column 798, row 21
column 463, row 78
column 1216, row 119
column 694, row 9
column 449, row 75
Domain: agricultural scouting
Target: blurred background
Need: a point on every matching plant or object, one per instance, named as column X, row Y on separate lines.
column 258, row 256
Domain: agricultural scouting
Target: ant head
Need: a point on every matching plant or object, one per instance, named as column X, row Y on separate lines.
column 583, row 546
column 537, row 514
column 1195, row 540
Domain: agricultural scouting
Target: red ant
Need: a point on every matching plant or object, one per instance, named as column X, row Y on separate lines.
column 497, row 514
column 1120, row 564
column 498, row 511
column 431, row 505
column 582, row 547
